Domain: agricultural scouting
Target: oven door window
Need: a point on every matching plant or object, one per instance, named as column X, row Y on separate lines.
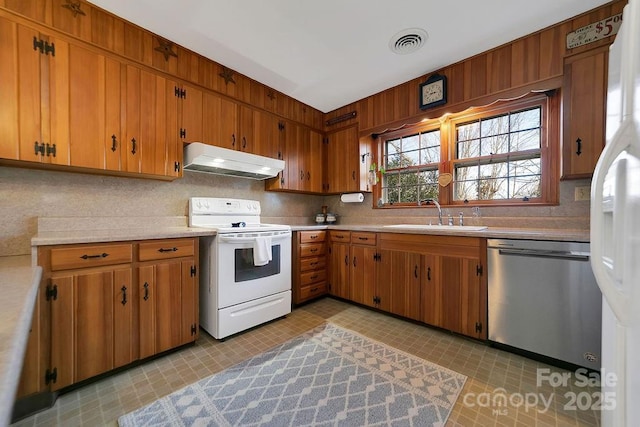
column 245, row 269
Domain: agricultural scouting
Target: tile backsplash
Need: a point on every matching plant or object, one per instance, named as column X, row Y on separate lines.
column 27, row 194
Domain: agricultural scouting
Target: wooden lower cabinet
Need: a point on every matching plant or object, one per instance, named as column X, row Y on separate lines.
column 309, row 265
column 92, row 317
column 339, row 257
column 439, row 280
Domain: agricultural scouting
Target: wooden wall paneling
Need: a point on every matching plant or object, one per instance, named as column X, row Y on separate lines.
column 257, row 97
column 138, row 44
column 378, row 108
column 70, row 21
column 107, row 31
column 402, row 100
column 165, row 61
column 456, row 83
column 243, row 87
column 365, row 113
column 187, row 64
column 552, row 42
column 37, row 10
column 525, row 57
column 499, row 69
column 477, row 77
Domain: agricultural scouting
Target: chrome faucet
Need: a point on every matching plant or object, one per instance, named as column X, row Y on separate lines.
column 435, row 202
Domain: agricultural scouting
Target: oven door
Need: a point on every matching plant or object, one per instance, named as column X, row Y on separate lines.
column 239, row 280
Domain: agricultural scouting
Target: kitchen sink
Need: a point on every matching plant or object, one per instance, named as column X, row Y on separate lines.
column 438, row 227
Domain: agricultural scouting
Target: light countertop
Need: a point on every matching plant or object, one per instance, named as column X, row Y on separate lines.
column 46, row 238
column 490, row 232
column 18, row 286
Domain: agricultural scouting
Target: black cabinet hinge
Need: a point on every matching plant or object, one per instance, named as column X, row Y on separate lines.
column 180, row 93
column 193, row 271
column 478, row 270
column 376, row 300
column 176, row 166
column 183, row 133
column 478, row 327
column 39, row 148
column 325, row 140
column 44, row 46
column 377, row 256
column 52, row 292
column 51, row 150
column 280, row 125
column 51, row 376
column 193, row 329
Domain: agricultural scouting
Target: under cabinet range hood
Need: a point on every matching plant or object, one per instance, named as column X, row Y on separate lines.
column 205, row 158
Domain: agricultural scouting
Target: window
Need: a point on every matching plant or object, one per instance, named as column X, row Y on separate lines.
column 499, row 157
column 411, row 165
column 500, row 154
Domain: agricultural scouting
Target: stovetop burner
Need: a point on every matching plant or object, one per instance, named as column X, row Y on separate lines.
column 228, row 215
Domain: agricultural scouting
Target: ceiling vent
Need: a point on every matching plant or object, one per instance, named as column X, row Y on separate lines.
column 408, row 41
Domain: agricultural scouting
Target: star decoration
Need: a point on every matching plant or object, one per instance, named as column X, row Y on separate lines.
column 227, row 75
column 74, row 7
column 165, row 48
column 271, row 95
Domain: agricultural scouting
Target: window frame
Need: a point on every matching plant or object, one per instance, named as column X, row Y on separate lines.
column 550, row 134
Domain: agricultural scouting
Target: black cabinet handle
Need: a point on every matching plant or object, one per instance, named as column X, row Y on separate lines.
column 124, row 295
column 102, row 255
column 133, row 146
column 363, row 238
column 301, row 175
column 315, row 276
column 578, row 146
column 244, row 142
column 233, row 139
column 314, row 236
column 353, row 175
column 308, row 176
column 168, row 250
column 354, row 261
column 146, row 291
column 114, row 143
column 346, row 260
column 339, row 236
column 415, row 272
column 428, row 273
column 313, row 264
column 314, row 250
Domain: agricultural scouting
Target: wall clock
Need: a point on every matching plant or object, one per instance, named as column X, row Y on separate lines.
column 433, row 92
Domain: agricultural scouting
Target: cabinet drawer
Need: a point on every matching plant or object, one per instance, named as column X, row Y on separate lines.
column 363, row 238
column 90, row 256
column 313, row 263
column 312, row 236
column 340, row 236
column 312, row 277
column 311, row 249
column 313, row 291
column 163, row 249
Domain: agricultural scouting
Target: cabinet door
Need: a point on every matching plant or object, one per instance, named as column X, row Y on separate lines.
column 431, row 295
column 265, row 135
column 584, row 104
column 63, row 356
column 362, row 275
column 294, row 155
column 147, row 311
column 191, row 114
column 124, row 298
column 473, row 297
column 343, row 168
column 313, row 162
column 17, row 67
column 247, row 138
column 404, row 283
column 339, row 268
column 220, row 121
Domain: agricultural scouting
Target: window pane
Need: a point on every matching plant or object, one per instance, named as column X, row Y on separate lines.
column 525, row 140
column 493, row 189
column 495, row 126
column 466, row 172
column 430, row 139
column 430, row 155
column 469, row 149
column 409, row 194
column 493, row 170
column 468, row 131
column 495, row 145
column 466, row 190
column 529, row 119
column 411, row 158
column 521, row 187
column 410, row 143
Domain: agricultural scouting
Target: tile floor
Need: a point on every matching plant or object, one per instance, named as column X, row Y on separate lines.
column 492, row 373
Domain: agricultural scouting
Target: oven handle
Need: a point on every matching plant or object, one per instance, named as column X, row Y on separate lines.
column 235, row 239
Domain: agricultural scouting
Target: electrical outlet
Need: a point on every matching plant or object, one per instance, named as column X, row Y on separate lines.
column 582, row 193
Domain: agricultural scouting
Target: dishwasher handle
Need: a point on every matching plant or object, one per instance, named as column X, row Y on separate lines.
column 541, row 253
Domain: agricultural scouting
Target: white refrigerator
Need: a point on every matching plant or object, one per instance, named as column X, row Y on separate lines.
column 615, row 229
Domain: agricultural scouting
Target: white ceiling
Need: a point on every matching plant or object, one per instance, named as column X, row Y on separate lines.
column 329, row 53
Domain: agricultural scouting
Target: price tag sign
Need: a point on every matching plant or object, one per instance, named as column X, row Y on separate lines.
column 594, row 32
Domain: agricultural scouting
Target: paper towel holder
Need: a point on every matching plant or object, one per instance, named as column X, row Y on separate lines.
column 352, row 198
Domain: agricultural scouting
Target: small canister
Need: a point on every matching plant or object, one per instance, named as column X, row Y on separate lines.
column 320, row 218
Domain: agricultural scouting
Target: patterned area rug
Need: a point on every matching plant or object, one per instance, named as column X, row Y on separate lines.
column 328, row 376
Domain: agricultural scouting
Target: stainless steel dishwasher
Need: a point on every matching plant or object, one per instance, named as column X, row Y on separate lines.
column 544, row 299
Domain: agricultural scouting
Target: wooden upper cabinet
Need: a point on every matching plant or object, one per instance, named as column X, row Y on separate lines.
column 343, row 161
column 584, row 109
column 220, row 121
column 35, row 99
column 313, row 162
column 266, row 135
column 191, row 113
